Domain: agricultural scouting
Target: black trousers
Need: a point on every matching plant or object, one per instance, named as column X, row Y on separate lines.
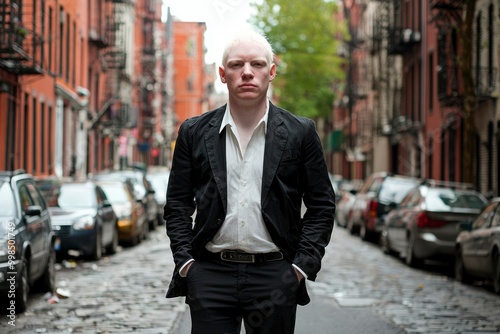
column 221, row 294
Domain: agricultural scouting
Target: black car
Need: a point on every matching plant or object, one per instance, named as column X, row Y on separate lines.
column 380, row 193
column 84, row 220
column 27, row 241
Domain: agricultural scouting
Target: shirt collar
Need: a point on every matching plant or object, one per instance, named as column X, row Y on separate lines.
column 228, row 119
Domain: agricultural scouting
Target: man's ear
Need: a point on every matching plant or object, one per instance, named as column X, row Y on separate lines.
column 272, row 72
column 222, row 74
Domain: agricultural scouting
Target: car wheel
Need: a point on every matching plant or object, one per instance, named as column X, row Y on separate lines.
column 496, row 276
column 145, row 228
column 385, row 243
column 410, row 258
column 351, row 228
column 23, row 288
column 364, row 233
column 112, row 248
column 97, row 252
column 48, row 279
column 460, row 272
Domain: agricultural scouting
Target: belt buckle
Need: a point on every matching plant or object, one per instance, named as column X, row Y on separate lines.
column 237, row 257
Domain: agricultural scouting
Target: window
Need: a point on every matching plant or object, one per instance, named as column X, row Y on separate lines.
column 50, row 44
column 26, row 130
column 34, row 139
column 61, row 41
column 491, row 158
column 496, row 219
column 51, row 134
column 491, row 44
column 478, row 45
column 25, row 197
column 430, row 155
column 35, row 195
column 68, row 47
column 43, row 133
column 484, row 218
column 431, row 81
column 191, row 47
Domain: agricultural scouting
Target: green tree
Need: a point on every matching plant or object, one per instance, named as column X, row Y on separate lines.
column 306, row 37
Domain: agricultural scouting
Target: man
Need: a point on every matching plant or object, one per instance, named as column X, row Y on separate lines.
column 245, row 169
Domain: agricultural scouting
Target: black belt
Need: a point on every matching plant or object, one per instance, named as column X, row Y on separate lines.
column 241, row 257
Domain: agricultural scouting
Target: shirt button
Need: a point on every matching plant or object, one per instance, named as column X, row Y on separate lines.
column 242, row 223
column 244, row 183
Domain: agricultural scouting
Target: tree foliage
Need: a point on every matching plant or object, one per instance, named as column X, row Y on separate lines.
column 305, row 36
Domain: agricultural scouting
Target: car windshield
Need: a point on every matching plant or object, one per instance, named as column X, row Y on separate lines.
column 134, row 177
column 159, row 184
column 445, row 199
column 76, row 196
column 8, row 206
column 115, row 193
column 393, row 190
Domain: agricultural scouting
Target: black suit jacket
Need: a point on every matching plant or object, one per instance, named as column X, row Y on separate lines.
column 294, row 171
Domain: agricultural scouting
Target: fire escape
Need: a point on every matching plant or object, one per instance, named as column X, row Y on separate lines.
column 22, row 36
column 401, row 41
column 148, row 81
column 445, row 15
column 107, row 32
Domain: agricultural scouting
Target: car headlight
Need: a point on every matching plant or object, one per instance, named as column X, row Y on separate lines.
column 85, row 223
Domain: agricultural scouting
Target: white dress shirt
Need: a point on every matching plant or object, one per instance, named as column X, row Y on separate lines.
column 244, row 228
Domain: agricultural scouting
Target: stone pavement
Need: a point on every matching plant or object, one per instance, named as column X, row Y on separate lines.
column 123, row 293
column 358, row 274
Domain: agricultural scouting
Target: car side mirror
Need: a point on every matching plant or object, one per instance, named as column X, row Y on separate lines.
column 33, row 210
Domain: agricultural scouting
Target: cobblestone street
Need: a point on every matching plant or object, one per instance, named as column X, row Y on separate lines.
column 124, row 293
column 356, row 273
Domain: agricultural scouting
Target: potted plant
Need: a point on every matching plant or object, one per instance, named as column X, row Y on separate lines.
column 20, row 32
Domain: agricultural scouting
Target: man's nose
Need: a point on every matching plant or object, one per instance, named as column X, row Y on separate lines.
column 247, row 70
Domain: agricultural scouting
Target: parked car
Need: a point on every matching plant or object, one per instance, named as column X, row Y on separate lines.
column 348, row 190
column 425, row 224
column 27, row 255
column 132, row 224
column 142, row 190
column 159, row 181
column 380, row 193
column 477, row 252
column 336, row 181
column 84, row 220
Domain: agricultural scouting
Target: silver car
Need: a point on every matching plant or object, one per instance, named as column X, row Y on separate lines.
column 425, row 224
column 478, row 247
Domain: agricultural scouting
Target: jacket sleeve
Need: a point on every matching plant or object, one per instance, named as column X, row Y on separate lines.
column 319, row 200
column 180, row 205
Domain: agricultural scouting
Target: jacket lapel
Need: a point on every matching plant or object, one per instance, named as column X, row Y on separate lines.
column 276, row 137
column 215, row 144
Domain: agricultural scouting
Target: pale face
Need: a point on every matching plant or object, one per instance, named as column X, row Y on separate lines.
column 247, row 72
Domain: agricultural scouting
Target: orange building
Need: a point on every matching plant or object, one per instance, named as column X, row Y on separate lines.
column 71, row 99
column 190, row 89
column 41, row 53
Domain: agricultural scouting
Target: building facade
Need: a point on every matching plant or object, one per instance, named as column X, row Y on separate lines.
column 86, row 85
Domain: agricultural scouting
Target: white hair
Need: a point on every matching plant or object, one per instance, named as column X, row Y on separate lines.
column 249, row 35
